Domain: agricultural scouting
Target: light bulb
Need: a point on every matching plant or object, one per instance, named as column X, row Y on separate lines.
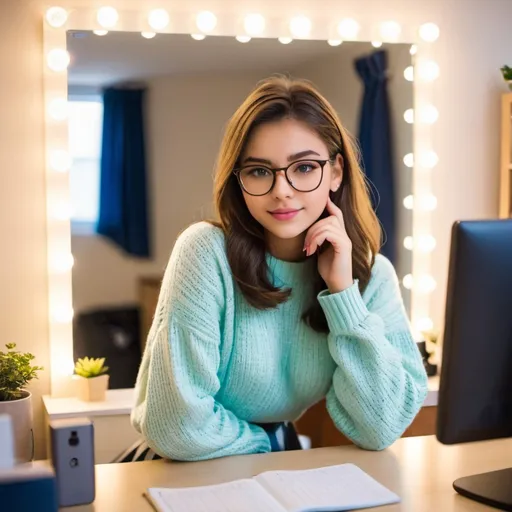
column 429, row 159
column 197, row 37
column 428, row 70
column 254, row 24
column 62, row 263
column 429, row 202
column 376, row 44
column 409, row 160
column 100, row 32
column 426, row 284
column 243, row 39
column 60, row 160
column 413, row 50
column 158, row 19
column 63, row 315
column 409, row 116
column 429, row 32
column 148, row 35
column 424, row 324
column 426, row 243
column 408, row 281
column 429, row 114
column 206, row 21
column 409, row 73
column 58, row 59
column 408, row 202
column 56, row 16
column 334, row 42
column 390, row 31
column 348, row 29
column 409, row 243
column 58, row 109
column 285, row 40
column 107, row 17
column 300, row 26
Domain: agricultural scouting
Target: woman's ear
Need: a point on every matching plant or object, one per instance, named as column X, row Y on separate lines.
column 337, row 173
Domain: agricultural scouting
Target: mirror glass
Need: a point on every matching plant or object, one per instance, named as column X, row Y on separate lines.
column 174, row 94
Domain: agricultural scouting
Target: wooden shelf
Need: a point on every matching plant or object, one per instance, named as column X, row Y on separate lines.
column 505, row 209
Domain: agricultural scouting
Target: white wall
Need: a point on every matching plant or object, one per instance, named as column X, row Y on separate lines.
column 476, row 40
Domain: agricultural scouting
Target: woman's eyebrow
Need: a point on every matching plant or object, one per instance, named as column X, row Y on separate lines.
column 291, row 158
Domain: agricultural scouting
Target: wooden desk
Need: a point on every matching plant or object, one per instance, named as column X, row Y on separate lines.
column 418, row 469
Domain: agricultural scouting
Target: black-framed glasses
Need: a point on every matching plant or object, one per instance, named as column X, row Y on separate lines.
column 302, row 175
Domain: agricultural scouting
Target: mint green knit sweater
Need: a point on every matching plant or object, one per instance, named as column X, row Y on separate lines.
column 214, row 366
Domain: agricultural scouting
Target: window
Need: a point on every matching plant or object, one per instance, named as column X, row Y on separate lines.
column 85, row 125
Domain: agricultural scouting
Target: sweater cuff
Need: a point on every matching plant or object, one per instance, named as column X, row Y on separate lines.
column 343, row 310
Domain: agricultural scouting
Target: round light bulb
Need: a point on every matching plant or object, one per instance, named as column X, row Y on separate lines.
column 63, row 315
column 206, row 21
column 56, row 16
column 408, row 282
column 243, row 39
column 409, row 73
column 429, row 159
column 58, row 109
column 348, row 29
column 408, row 202
column 429, row 202
column 390, row 31
column 429, row 32
column 409, row 116
column 428, row 71
column 58, row 59
column 100, row 32
column 60, row 160
column 197, row 37
column 429, row 114
column 334, row 42
column 148, row 35
column 426, row 243
column 409, row 243
column 62, row 263
column 254, row 24
column 409, row 160
column 413, row 50
column 426, row 284
column 300, row 26
column 285, row 40
column 107, row 17
column 424, row 324
column 158, row 19
column 376, row 44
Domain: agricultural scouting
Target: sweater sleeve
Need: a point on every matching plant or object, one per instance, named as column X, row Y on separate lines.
column 176, row 410
column 380, row 382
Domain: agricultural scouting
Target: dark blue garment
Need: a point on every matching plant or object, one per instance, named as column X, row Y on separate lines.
column 123, row 210
column 375, row 140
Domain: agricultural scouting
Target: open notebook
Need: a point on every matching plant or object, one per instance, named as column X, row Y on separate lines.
column 334, row 488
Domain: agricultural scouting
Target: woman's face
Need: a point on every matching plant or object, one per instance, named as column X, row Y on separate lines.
column 284, row 212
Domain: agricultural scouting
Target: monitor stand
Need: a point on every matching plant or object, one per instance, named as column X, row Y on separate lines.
column 493, row 489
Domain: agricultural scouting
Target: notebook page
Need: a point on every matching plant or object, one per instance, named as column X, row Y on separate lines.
column 343, row 487
column 246, row 495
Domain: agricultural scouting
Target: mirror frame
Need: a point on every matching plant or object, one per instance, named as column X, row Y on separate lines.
column 133, row 16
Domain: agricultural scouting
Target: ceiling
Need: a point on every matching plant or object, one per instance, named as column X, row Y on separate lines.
column 121, row 56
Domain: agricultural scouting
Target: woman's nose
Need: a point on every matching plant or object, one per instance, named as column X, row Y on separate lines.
column 281, row 186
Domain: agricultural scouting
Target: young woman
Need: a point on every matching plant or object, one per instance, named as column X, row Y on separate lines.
column 284, row 302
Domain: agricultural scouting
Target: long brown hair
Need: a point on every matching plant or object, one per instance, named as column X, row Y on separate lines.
column 274, row 99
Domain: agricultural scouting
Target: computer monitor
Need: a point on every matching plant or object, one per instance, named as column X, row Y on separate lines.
column 475, row 393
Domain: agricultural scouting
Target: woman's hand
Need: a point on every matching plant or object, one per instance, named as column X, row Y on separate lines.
column 335, row 262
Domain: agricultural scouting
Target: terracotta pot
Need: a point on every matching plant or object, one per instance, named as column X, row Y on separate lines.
column 93, row 389
column 20, row 412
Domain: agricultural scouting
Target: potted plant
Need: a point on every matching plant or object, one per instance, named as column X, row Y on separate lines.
column 16, row 371
column 506, row 71
column 92, row 379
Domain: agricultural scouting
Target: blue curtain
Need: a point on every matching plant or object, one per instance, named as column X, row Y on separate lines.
column 376, row 143
column 123, row 209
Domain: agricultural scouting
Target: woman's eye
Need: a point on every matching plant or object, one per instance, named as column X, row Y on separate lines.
column 305, row 168
column 260, row 172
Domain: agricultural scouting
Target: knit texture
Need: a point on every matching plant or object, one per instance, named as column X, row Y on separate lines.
column 214, row 366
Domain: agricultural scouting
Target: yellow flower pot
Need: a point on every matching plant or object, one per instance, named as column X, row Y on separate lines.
column 93, row 389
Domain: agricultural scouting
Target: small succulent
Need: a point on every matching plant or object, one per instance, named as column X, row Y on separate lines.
column 506, row 71
column 89, row 367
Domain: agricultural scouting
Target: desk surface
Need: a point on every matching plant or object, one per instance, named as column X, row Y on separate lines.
column 418, row 469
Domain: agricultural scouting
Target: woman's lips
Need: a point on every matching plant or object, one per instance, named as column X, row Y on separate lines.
column 284, row 214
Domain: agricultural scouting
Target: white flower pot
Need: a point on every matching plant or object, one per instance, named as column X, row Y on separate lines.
column 93, row 389
column 20, row 412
